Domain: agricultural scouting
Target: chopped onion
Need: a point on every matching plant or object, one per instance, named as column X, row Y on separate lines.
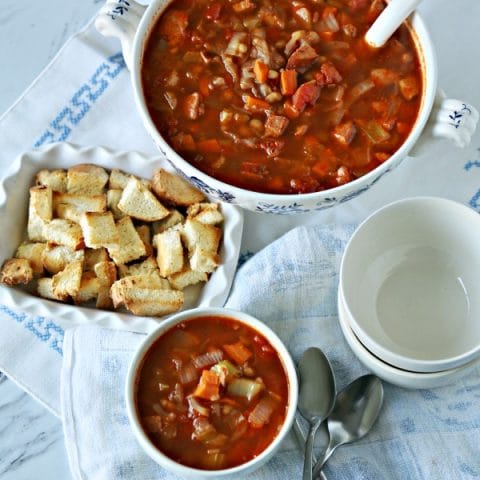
column 187, row 373
column 237, row 46
column 360, row 89
column 195, row 407
column 203, row 429
column 208, row 358
column 328, row 24
column 262, row 412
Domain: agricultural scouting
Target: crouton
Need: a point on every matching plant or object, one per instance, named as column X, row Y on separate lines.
column 174, row 218
column 141, row 296
column 99, row 229
column 64, row 232
column 33, row 252
column 207, row 213
column 71, row 207
column 139, row 202
column 187, row 277
column 107, row 274
column 16, row 271
column 40, row 212
column 148, row 267
column 118, row 180
column 113, row 197
column 198, row 235
column 56, row 257
column 94, row 256
column 67, row 282
column 129, row 246
column 169, row 252
column 146, row 235
column 175, row 190
column 45, row 290
column 204, row 260
column 89, row 287
column 55, row 179
column 86, row 179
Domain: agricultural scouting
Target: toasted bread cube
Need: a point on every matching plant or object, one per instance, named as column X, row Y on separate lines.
column 129, row 246
column 90, row 285
column 16, row 271
column 175, row 190
column 174, row 218
column 113, row 197
column 94, row 256
column 71, row 207
column 86, row 179
column 139, row 202
column 55, row 179
column 207, row 213
column 45, row 290
column 148, row 301
column 150, row 281
column 204, row 260
column 64, row 232
column 107, row 274
column 198, row 235
column 67, row 282
column 118, row 180
column 99, row 229
column 187, row 277
column 40, row 212
column 146, row 235
column 33, row 252
column 56, row 257
column 169, row 252
column 148, row 267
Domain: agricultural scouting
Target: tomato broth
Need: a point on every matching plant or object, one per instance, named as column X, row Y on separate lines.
column 212, row 393
column 280, row 97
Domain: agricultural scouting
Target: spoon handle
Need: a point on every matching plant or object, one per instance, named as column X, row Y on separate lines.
column 307, row 465
column 388, row 21
column 317, row 469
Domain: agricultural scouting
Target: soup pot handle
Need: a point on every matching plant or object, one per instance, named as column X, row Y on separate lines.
column 452, row 119
column 120, row 19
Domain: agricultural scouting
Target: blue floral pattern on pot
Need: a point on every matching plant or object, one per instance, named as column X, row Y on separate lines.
column 220, row 194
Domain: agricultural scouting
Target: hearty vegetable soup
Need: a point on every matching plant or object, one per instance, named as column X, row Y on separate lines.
column 212, row 393
column 280, row 96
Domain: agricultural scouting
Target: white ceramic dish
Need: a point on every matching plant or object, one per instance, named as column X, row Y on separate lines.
column 182, row 470
column 13, row 215
column 391, row 374
column 447, row 118
column 410, row 279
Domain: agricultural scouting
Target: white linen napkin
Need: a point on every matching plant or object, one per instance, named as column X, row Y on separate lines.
column 291, row 285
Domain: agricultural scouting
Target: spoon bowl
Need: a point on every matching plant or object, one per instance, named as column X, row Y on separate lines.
column 316, row 397
column 356, row 410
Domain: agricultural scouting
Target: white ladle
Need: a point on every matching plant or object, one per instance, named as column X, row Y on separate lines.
column 389, row 20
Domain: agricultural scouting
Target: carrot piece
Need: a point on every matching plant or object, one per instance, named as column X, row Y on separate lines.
column 288, row 82
column 238, row 352
column 209, row 146
column 261, row 71
column 290, row 111
column 203, row 86
column 208, row 387
column 256, row 104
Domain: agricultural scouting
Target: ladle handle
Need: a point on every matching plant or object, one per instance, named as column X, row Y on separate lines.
column 308, row 463
column 389, row 20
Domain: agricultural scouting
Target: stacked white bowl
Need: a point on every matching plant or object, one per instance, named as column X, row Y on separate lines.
column 409, row 292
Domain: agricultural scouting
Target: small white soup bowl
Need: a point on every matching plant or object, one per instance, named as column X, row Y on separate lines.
column 193, row 473
column 447, row 118
column 411, row 284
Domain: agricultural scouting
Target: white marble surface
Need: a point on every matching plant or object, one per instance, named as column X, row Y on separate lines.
column 31, row 33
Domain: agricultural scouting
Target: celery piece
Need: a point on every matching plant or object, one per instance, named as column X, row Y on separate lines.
column 244, row 387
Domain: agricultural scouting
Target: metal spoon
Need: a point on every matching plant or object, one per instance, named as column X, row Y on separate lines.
column 316, row 397
column 356, row 409
column 389, row 20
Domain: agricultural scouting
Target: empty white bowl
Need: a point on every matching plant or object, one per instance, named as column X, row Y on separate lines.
column 410, row 277
column 391, row 374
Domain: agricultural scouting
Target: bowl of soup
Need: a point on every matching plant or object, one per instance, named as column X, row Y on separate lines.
column 211, row 393
column 282, row 107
